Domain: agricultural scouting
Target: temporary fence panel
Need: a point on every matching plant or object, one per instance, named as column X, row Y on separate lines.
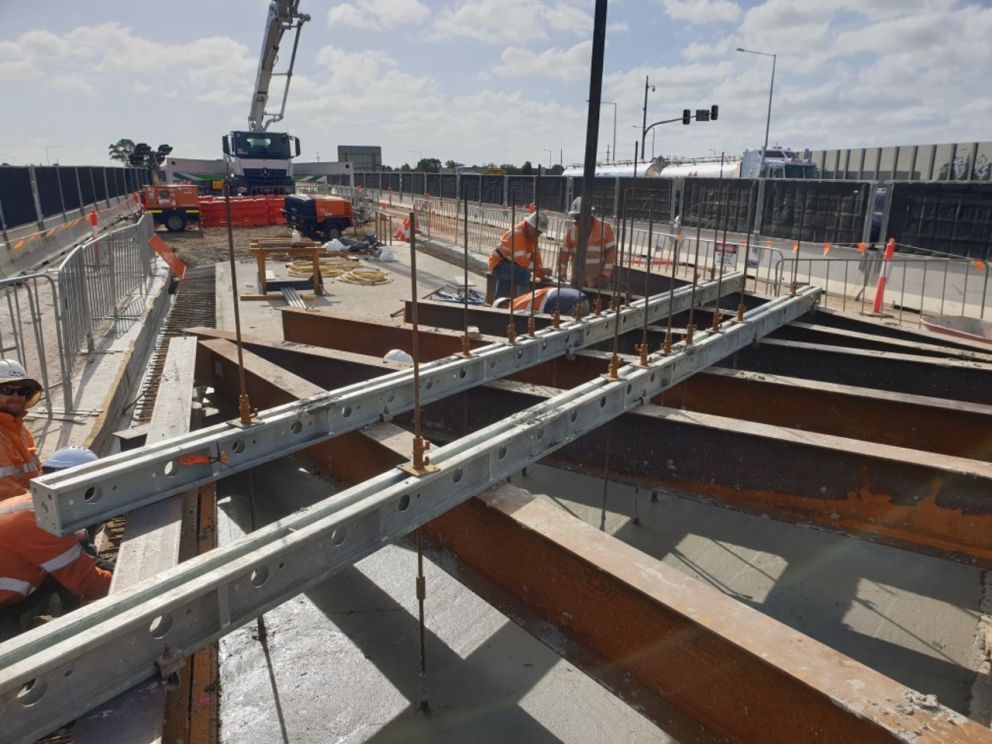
column 470, row 185
column 817, row 211
column 492, row 189
column 950, row 218
column 642, row 198
column 16, row 197
column 96, row 276
column 449, row 186
column 26, row 336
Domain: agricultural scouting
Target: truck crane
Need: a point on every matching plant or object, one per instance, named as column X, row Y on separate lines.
column 259, row 161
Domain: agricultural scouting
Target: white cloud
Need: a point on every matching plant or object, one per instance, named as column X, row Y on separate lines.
column 561, row 64
column 378, row 14
column 73, row 84
column 703, row 11
column 521, row 22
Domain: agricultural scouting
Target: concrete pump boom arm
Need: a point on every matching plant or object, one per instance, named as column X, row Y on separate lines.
column 284, row 16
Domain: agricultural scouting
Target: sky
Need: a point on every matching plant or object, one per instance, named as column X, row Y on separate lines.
column 503, row 81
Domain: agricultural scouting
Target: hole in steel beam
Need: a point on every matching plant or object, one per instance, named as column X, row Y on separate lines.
column 573, row 416
column 501, row 453
column 31, row 692
column 652, row 377
column 160, row 626
column 629, row 388
column 170, row 468
column 259, row 576
column 67, row 672
column 602, row 402
column 237, row 446
column 540, row 433
column 91, row 495
column 346, row 411
column 461, row 373
column 404, row 502
column 457, row 475
column 520, row 353
column 296, row 428
column 337, row 537
column 429, row 384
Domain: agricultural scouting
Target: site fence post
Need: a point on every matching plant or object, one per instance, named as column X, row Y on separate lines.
column 37, row 197
column 3, row 224
column 79, row 190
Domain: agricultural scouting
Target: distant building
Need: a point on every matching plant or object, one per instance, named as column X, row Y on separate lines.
column 362, row 157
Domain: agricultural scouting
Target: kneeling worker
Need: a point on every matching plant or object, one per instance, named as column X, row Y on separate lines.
column 517, row 255
column 566, row 300
column 34, row 564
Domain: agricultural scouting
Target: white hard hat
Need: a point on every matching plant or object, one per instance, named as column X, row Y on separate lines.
column 399, row 356
column 69, row 457
column 537, row 221
column 501, row 302
column 12, row 371
column 576, row 207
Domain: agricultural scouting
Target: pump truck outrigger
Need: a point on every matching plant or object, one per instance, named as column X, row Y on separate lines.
column 259, row 161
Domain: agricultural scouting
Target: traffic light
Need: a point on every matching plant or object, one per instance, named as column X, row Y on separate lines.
column 686, row 116
column 714, row 110
column 702, row 114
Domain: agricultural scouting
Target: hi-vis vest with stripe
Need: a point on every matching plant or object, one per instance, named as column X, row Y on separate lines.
column 28, row 554
column 601, row 251
column 518, row 245
column 18, row 456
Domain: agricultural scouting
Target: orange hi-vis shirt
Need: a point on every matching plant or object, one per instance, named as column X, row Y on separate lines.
column 518, row 245
column 601, row 253
column 28, row 554
column 18, row 456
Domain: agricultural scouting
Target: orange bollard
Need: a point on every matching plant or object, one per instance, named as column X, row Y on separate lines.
column 883, row 277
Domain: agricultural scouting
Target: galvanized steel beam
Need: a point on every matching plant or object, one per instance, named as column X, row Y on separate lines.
column 68, row 500
column 54, row 673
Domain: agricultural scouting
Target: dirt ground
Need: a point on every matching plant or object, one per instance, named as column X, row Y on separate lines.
column 210, row 245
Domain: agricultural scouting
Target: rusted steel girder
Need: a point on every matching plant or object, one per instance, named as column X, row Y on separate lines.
column 701, row 665
column 953, row 379
column 907, row 498
column 879, row 416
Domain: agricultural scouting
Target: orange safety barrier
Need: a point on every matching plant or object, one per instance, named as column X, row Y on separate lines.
column 883, row 277
column 246, row 211
column 161, row 248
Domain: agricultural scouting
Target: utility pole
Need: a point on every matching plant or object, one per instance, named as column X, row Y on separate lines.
column 592, row 137
column 644, row 112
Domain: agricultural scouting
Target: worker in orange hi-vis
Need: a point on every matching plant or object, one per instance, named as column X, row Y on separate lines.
column 546, row 300
column 601, row 252
column 37, row 566
column 18, row 453
column 517, row 257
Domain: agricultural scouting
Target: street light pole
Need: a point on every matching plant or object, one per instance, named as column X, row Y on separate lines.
column 768, row 119
column 644, row 112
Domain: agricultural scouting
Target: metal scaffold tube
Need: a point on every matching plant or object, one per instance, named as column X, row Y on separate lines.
column 120, row 483
column 55, row 673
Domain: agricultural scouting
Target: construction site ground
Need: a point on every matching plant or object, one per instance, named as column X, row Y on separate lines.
column 339, row 662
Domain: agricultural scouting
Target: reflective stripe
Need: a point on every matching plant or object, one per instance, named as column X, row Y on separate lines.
column 24, row 588
column 63, row 560
column 11, row 470
column 14, row 508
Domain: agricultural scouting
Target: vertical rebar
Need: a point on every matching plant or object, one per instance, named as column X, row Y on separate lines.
column 244, row 406
column 690, row 327
column 466, row 345
column 421, row 597
column 647, row 288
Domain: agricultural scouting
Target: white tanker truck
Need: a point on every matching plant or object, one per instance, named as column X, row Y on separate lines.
column 781, row 163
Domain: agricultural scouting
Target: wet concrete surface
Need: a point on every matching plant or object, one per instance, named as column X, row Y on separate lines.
column 339, row 663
